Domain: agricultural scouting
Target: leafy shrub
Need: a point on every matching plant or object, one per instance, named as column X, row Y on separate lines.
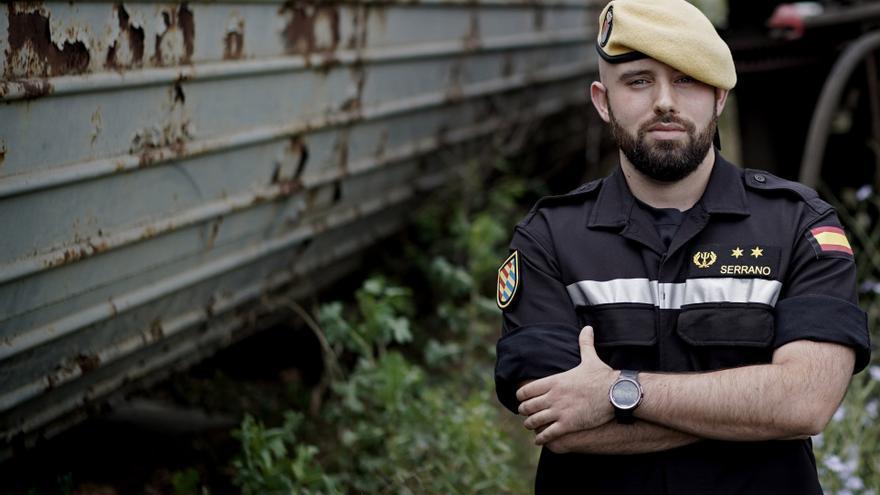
column 273, row 461
column 401, row 421
column 847, row 451
column 390, row 428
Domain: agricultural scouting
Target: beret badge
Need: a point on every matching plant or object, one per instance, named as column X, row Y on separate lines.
column 606, row 26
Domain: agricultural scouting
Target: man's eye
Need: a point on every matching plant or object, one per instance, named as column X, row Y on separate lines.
column 638, row 82
column 685, row 79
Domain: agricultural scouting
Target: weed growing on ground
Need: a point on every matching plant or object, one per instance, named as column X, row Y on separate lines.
column 416, row 412
column 848, row 451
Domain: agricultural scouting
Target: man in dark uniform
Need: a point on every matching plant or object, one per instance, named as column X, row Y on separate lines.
column 682, row 325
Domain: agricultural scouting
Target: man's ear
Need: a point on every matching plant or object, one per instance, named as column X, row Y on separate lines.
column 720, row 100
column 599, row 95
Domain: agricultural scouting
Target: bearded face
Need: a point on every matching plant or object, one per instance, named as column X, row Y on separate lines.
column 664, row 160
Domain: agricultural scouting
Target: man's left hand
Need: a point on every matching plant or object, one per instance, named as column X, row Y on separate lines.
column 570, row 401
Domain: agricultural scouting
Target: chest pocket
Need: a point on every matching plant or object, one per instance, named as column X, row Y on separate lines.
column 725, row 335
column 625, row 334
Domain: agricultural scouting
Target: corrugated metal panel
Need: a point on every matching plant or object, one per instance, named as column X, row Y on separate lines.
column 163, row 165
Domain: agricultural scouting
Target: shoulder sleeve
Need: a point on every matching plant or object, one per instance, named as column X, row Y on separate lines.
column 819, row 300
column 540, row 327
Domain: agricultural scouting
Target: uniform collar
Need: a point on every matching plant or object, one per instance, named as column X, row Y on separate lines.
column 724, row 194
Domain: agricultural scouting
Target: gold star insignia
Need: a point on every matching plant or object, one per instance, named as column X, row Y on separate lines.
column 757, row 252
column 736, row 253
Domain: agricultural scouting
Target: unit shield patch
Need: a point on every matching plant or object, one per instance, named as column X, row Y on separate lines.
column 606, row 27
column 508, row 280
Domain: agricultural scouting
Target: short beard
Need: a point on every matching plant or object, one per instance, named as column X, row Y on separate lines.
column 666, row 161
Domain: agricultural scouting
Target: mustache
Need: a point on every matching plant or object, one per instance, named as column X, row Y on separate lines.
column 667, row 118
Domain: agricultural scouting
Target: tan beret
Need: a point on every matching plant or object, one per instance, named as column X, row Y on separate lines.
column 671, row 31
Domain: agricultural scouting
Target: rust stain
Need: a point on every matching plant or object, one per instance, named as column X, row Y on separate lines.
column 538, row 19
column 179, row 95
column 359, row 79
column 292, row 183
column 341, row 148
column 151, row 143
column 215, row 230
column 233, row 43
column 36, row 88
column 472, row 37
column 29, row 88
column 2, row 153
column 32, row 53
column 98, row 245
column 113, row 306
column 209, row 307
column 507, row 66
column 312, row 27
column 358, row 38
column 88, row 362
column 441, row 137
column 312, row 197
column 455, row 92
column 157, row 333
column 70, row 255
column 97, row 125
column 135, row 38
column 383, row 143
column 337, row 190
column 299, row 147
column 187, row 25
column 148, row 232
column 179, row 26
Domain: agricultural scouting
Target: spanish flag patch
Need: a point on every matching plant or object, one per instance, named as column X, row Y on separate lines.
column 829, row 240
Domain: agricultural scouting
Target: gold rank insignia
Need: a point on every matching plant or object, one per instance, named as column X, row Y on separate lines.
column 508, row 280
column 743, row 259
column 705, row 259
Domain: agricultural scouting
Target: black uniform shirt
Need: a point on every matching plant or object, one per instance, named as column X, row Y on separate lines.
column 757, row 263
column 665, row 220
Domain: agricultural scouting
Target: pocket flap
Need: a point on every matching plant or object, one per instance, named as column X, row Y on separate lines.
column 623, row 324
column 726, row 325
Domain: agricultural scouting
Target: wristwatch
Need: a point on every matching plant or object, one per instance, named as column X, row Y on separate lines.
column 625, row 394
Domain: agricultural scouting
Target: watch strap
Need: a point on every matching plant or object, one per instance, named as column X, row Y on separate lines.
column 631, row 374
column 624, row 416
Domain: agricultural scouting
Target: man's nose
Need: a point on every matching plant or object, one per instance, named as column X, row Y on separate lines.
column 664, row 101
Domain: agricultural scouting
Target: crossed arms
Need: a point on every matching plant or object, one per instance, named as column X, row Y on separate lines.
column 793, row 396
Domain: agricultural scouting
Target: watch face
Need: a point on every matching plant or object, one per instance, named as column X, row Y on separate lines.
column 625, row 394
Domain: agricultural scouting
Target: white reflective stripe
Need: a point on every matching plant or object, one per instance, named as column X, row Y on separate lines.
column 674, row 295
column 671, row 295
column 735, row 290
column 621, row 290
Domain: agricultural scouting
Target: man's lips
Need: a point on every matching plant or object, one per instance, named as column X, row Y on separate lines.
column 666, row 128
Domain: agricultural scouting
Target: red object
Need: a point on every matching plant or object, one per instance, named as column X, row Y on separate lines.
column 789, row 18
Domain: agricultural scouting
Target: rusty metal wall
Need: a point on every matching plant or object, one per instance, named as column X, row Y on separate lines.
column 163, row 165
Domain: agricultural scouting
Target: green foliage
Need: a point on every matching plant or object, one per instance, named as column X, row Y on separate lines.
column 404, row 435
column 186, row 482
column 273, row 461
column 383, row 319
column 393, row 431
column 846, row 452
column 406, row 420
